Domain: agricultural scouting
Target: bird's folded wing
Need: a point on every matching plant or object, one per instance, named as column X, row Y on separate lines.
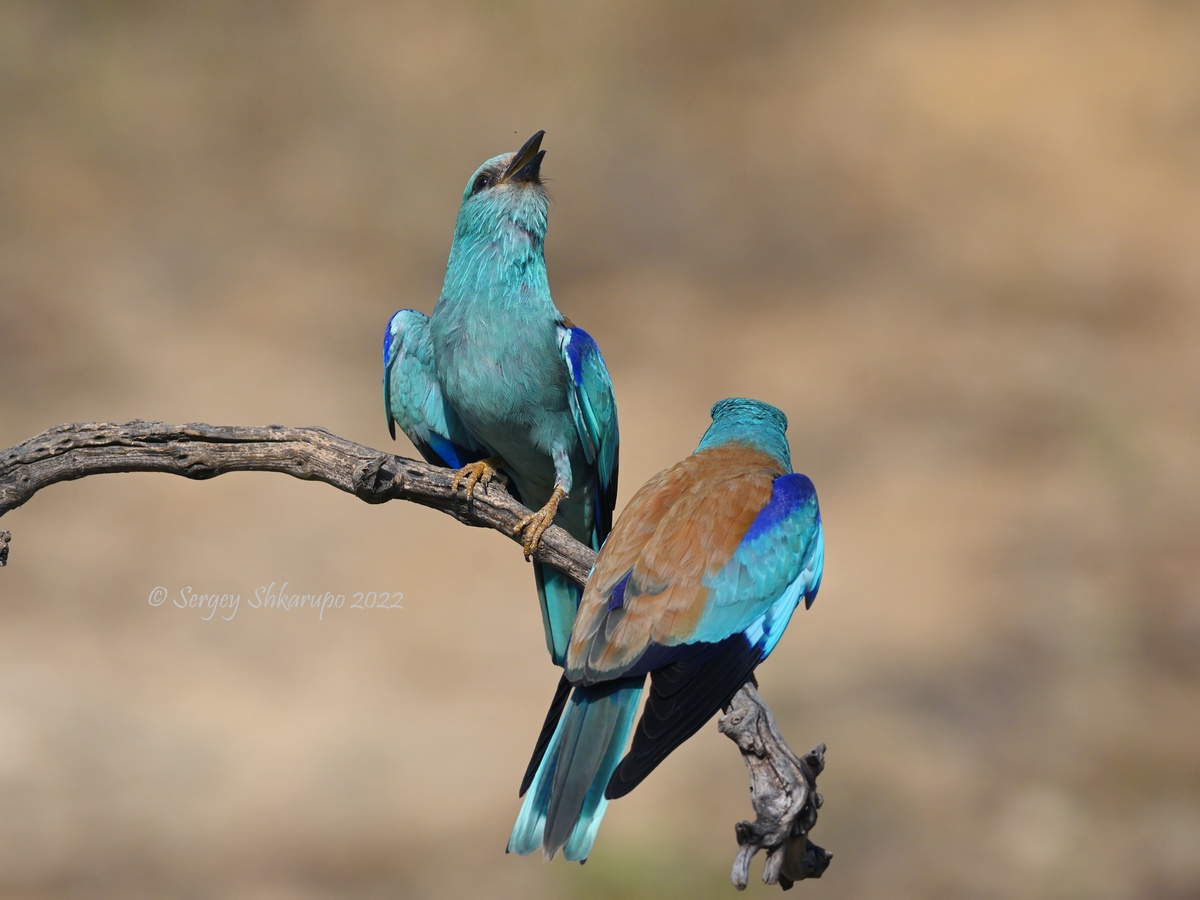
column 595, row 413
column 708, row 549
column 413, row 399
column 777, row 563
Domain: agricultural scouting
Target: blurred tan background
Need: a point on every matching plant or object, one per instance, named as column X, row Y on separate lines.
column 958, row 243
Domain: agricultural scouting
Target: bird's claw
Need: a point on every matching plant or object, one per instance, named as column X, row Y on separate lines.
column 481, row 472
column 535, row 524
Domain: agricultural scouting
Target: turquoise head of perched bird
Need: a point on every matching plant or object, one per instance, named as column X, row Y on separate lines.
column 501, row 229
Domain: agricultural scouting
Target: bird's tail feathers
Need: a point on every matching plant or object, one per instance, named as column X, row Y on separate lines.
column 565, row 800
column 559, row 597
column 549, row 726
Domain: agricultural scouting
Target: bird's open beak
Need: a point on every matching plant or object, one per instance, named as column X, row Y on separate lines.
column 527, row 162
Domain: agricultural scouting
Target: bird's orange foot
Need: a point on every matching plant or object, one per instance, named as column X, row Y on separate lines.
column 481, row 472
column 535, row 524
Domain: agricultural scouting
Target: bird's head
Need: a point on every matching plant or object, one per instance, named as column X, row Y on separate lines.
column 745, row 421
column 507, row 188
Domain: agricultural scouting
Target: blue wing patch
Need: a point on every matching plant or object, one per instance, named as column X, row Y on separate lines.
column 594, row 411
column 778, row 561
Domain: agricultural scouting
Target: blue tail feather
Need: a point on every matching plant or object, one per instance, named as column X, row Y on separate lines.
column 565, row 803
column 559, row 596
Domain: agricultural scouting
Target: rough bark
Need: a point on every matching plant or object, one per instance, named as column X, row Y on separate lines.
column 782, row 785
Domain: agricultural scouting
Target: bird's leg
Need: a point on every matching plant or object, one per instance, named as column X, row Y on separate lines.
column 481, row 472
column 535, row 524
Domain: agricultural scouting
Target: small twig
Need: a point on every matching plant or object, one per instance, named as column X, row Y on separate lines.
column 782, row 785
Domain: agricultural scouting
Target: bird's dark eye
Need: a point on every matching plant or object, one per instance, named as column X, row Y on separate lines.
column 482, row 183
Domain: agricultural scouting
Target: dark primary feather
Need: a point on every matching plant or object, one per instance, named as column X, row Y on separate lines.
column 683, row 696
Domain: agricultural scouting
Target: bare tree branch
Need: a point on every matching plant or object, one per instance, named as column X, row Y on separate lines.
column 782, row 785
column 67, row 452
column 783, row 789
